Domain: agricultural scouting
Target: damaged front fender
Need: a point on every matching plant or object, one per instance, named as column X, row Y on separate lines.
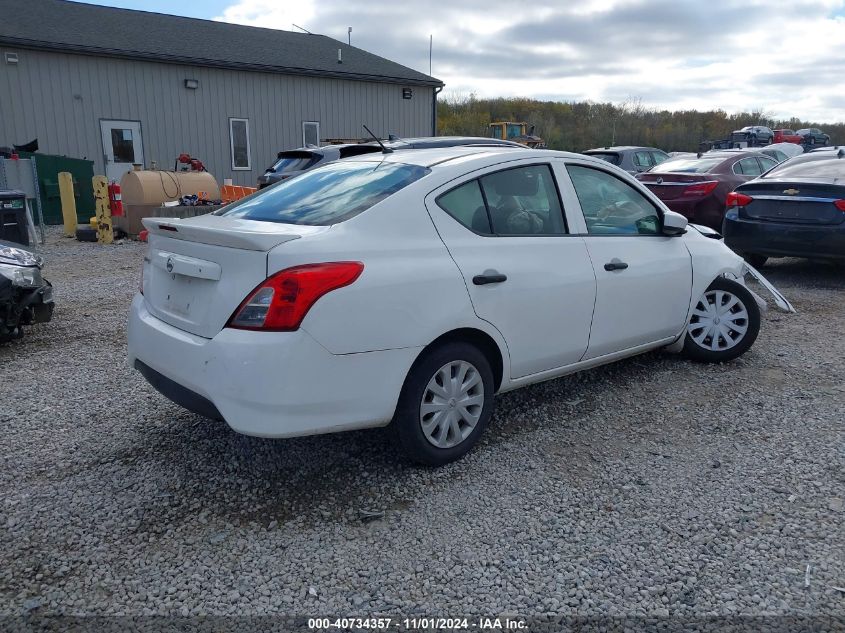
column 781, row 302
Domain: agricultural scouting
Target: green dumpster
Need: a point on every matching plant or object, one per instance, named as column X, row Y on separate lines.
column 82, row 171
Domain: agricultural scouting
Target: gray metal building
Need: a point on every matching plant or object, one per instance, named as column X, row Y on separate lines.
column 118, row 87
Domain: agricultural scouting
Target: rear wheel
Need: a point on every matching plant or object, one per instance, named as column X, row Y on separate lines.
column 758, row 261
column 724, row 324
column 445, row 404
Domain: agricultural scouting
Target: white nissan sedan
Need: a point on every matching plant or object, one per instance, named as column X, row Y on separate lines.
column 408, row 288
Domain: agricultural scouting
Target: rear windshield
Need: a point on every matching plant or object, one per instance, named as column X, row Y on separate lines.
column 326, row 195
column 294, row 162
column 811, row 166
column 688, row 165
column 610, row 157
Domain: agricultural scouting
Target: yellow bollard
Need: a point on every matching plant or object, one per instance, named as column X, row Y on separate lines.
column 105, row 234
column 68, row 203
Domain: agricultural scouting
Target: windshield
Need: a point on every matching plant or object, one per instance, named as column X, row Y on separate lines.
column 817, row 166
column 688, row 165
column 326, row 195
column 610, row 157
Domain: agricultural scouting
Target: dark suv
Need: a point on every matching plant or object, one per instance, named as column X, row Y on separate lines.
column 813, row 136
column 293, row 162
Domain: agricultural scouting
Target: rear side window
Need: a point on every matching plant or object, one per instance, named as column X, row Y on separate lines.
column 466, row 205
column 518, row 201
column 326, row 195
column 748, row 167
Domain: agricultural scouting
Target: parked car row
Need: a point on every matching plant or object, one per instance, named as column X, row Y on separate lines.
column 765, row 203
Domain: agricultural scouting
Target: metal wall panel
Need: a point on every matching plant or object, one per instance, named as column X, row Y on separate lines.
column 61, row 98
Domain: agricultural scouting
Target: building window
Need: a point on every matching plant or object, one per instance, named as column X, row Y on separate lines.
column 239, row 143
column 310, row 133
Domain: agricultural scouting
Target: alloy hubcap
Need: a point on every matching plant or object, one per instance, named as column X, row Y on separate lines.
column 452, row 403
column 719, row 321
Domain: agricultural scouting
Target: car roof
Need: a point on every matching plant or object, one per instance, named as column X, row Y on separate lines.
column 449, row 141
column 467, row 153
column 620, row 148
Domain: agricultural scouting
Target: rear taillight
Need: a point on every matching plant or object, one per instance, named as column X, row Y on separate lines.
column 840, row 204
column 735, row 199
column 701, row 188
column 281, row 302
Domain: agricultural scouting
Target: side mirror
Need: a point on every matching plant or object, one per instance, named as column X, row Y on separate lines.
column 674, row 223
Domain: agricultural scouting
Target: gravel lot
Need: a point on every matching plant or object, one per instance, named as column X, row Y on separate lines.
column 653, row 486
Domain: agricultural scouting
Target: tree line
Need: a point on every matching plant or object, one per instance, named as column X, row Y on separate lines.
column 577, row 126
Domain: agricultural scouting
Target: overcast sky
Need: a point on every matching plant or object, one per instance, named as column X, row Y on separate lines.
column 784, row 57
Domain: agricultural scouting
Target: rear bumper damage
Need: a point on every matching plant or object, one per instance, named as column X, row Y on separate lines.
column 267, row 384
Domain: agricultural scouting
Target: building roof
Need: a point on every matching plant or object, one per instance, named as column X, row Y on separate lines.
column 65, row 26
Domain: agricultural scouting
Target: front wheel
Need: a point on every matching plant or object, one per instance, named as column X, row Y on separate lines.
column 445, row 404
column 724, row 323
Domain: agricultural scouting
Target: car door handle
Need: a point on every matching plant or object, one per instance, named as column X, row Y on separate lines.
column 489, row 278
column 615, row 264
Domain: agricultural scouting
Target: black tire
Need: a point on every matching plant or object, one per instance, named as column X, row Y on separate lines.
column 407, row 420
column 86, row 233
column 758, row 261
column 702, row 351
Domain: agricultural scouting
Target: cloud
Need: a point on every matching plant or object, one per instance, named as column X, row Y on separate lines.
column 728, row 54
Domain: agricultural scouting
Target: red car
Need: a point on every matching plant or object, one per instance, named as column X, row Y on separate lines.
column 787, row 136
column 696, row 186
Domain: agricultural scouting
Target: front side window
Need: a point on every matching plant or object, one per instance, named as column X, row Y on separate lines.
column 239, row 143
column 518, row 201
column 611, row 206
column 523, row 201
column 766, row 163
column 659, row 157
column 641, row 159
column 326, row 195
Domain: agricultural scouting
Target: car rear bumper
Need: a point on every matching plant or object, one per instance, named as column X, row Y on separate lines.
column 781, row 239
column 698, row 211
column 268, row 384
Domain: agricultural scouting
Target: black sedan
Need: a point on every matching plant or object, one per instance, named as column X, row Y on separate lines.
column 796, row 209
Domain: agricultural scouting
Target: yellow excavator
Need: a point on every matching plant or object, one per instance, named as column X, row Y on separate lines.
column 517, row 132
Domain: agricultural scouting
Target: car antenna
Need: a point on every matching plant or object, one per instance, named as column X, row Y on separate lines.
column 384, row 150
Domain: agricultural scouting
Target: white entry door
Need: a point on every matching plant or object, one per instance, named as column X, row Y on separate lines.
column 121, row 147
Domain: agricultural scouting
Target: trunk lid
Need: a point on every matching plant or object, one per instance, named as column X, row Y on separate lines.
column 793, row 202
column 198, row 271
column 670, row 186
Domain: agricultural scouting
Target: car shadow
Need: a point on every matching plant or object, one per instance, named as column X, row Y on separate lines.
column 202, row 466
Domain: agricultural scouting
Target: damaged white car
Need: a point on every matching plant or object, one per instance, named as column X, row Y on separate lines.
column 409, row 288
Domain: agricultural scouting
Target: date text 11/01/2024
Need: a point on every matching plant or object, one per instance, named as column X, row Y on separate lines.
column 418, row 624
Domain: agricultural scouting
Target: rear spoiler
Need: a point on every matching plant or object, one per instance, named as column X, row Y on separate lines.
column 251, row 235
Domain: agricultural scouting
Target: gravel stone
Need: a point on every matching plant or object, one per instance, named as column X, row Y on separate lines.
column 651, row 487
